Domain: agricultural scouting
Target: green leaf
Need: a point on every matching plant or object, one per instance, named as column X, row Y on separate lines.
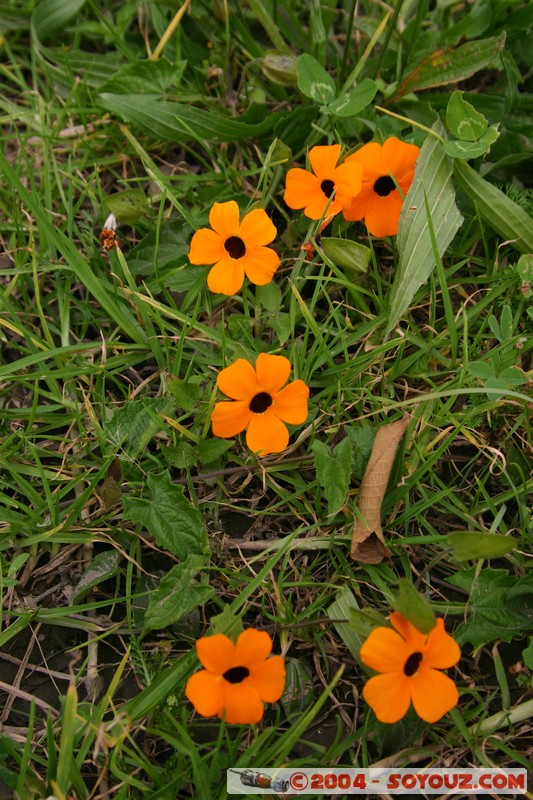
column 346, row 254
column 463, row 120
column 186, row 394
column 145, row 76
column 280, row 68
column 128, row 206
column 362, row 436
column 527, row 654
column 52, row 15
column 178, row 594
column 504, row 215
column 468, row 545
column 512, row 376
column 359, row 623
column 524, row 270
column 137, row 422
column 501, row 606
column 414, row 607
column 333, row 472
column 468, row 150
column 354, row 101
column 450, row 65
column 269, row 297
column 313, row 80
column 179, row 122
column 480, row 369
column 105, row 565
column 169, row 517
column 211, row 449
column 431, row 195
column 298, row 693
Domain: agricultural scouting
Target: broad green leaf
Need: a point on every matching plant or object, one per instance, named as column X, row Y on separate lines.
column 178, row 594
column 313, row 80
column 128, row 206
column 414, row 607
column 480, row 369
column 354, row 101
column 501, row 606
column 179, row 122
column 359, row 623
column 468, row 545
column 463, row 120
column 512, row 376
column 169, row 517
column 333, row 472
column 187, row 394
column 52, row 15
column 137, row 422
column 468, row 150
column 145, row 76
column 362, row 436
column 269, row 297
column 346, row 254
column 494, row 207
column 298, row 693
column 431, row 195
column 105, row 565
column 451, row 64
column 211, row 449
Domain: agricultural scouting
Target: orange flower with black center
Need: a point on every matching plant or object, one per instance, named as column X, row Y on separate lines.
column 235, row 248
column 237, row 679
column 336, row 185
column 388, row 172
column 408, row 661
column 259, row 403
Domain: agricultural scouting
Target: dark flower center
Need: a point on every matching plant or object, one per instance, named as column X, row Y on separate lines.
column 260, row 403
column 384, row 186
column 236, row 674
column 328, row 187
column 235, row 246
column 411, row 665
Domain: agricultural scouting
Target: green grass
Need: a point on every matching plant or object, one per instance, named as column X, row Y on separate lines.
column 108, row 365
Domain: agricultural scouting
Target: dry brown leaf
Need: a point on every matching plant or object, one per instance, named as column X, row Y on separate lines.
column 368, row 544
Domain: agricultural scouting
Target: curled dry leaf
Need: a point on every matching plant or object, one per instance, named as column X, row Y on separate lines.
column 368, row 544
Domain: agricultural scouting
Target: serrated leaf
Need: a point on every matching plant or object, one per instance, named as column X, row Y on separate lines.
column 333, row 472
column 103, row 566
column 346, row 254
column 468, row 545
column 137, row 422
column 185, row 393
column 313, row 80
column 354, row 101
column 463, row 120
column 431, row 195
column 269, row 297
column 503, row 214
column 52, row 15
column 169, row 517
column 178, row 594
column 501, row 606
column 211, row 449
column 414, row 607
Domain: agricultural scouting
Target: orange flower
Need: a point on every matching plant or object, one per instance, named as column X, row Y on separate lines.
column 384, row 169
column 259, row 404
column 408, row 661
column 235, row 248
column 238, row 678
column 313, row 192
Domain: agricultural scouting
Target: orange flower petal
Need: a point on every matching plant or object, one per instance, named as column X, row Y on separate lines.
column 290, row 403
column 239, row 381
column 257, row 229
column 385, row 651
column 227, row 276
column 206, row 692
column 318, row 207
column 399, row 157
column 360, row 205
column 260, row 264
column 348, row 182
column 384, row 216
column 301, row 187
column 242, row 704
column 216, row 653
column 268, row 679
column 432, row 693
column 414, row 638
column 323, row 160
column 224, row 218
column 206, row 247
column 253, row 647
column 272, row 372
column 388, row 696
column 230, row 418
column 266, row 434
column 441, row 650
column 370, row 158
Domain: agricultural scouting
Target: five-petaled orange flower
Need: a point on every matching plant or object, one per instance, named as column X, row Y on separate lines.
column 259, row 403
column 385, row 168
column 408, row 661
column 312, row 192
column 238, row 678
column 235, row 248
